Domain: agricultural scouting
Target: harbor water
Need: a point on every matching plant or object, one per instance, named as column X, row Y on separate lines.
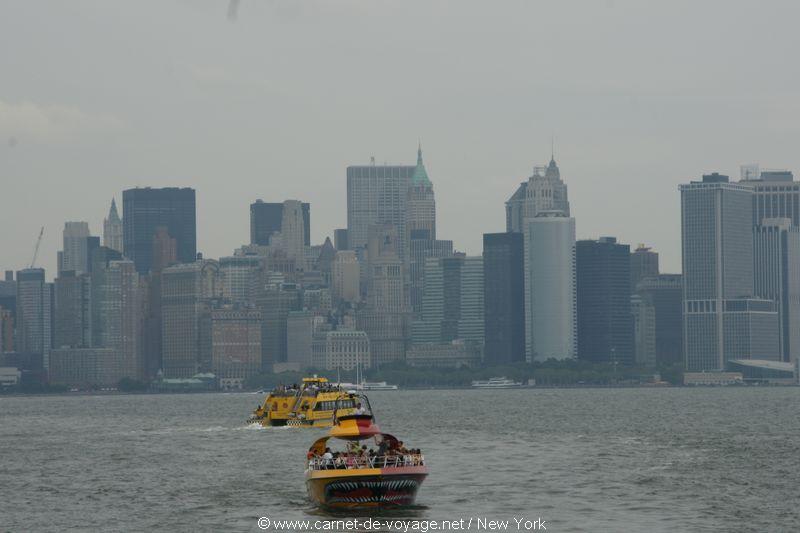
column 705, row 459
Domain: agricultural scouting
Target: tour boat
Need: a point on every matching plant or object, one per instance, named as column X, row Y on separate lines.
column 390, row 478
column 310, row 404
column 497, row 383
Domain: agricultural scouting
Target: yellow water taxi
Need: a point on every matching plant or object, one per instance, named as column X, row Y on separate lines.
column 360, row 476
column 310, row 404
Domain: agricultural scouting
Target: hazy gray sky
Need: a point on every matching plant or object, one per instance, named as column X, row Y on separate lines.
column 99, row 96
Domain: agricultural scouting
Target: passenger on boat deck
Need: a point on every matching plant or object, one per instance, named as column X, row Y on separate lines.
column 360, row 410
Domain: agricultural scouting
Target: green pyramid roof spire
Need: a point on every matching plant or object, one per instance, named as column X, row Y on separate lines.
column 420, row 176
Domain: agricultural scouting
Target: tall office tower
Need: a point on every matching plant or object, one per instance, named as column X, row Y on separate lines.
column 299, row 338
column 76, row 248
column 187, row 291
column 345, row 277
column 293, row 230
column 421, row 202
column 240, row 277
column 503, row 298
column 323, row 261
column 664, row 294
column 776, row 250
column 549, row 265
column 34, row 313
column 452, row 306
column 6, row 330
column 644, row 264
column 377, row 195
column 544, row 191
column 386, row 315
column 165, row 254
column 644, row 332
column 165, row 250
column 340, row 241
column 72, row 311
column 775, row 194
column 721, row 319
column 276, row 301
column 118, row 299
column 605, row 323
column 421, row 248
column 144, row 210
column 267, row 218
column 235, row 343
column 112, row 229
column 8, row 296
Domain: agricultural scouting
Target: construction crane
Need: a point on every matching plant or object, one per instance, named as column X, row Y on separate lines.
column 36, row 250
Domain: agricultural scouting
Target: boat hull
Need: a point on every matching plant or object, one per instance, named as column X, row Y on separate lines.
column 365, row 488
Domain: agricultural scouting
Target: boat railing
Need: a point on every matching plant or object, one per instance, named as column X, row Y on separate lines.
column 376, row 461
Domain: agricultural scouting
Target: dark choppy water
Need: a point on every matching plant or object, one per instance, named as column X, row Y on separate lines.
column 589, row 459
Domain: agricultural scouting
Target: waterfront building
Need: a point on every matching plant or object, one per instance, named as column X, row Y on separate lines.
column 235, row 343
column 776, row 251
column 644, row 332
column 300, row 327
column 503, row 298
column 34, row 313
column 543, row 191
column 644, row 264
column 550, row 292
column 456, row 354
column 664, row 295
column 722, row 320
column 145, row 209
column 267, row 218
column 187, row 292
column 276, row 301
column 605, row 323
column 113, row 229
column 87, row 368
column 6, row 330
column 342, row 349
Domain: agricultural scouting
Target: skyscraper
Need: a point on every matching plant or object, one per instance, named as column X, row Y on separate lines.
column 503, row 298
column 293, row 232
column 664, row 295
column 421, row 202
column 76, row 248
column 340, row 241
column 550, row 314
column 72, row 311
column 377, row 195
column 644, row 264
column 187, row 292
column 722, row 320
column 146, row 209
column 235, row 343
column 112, row 229
column 276, row 301
column 452, row 305
column 777, row 277
column 543, row 191
column 240, row 277
column 775, row 194
column 266, row 218
column 345, row 277
column 605, row 323
column 34, row 313
column 421, row 249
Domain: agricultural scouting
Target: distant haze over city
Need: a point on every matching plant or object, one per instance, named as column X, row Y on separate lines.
column 276, row 101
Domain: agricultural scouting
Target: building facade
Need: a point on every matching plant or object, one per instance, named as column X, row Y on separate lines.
column 267, row 218
column 605, row 323
column 543, row 191
column 145, row 209
column 550, row 307
column 503, row 298
column 644, row 264
column 664, row 295
column 235, row 343
column 34, row 313
column 112, row 229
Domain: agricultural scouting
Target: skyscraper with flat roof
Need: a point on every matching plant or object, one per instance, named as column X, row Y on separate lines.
column 503, row 298
column 34, row 313
column 76, row 247
column 144, row 210
column 267, row 218
column 722, row 319
column 605, row 323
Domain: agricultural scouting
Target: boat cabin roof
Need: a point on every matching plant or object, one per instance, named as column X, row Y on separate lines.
column 315, row 379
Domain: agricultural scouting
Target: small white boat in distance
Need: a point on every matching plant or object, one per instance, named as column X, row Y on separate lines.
column 377, row 385
column 496, row 383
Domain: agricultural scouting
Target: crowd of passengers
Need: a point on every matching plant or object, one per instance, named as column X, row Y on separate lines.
column 311, row 390
column 392, row 453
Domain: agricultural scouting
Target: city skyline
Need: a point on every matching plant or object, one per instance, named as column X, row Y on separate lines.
column 230, row 120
